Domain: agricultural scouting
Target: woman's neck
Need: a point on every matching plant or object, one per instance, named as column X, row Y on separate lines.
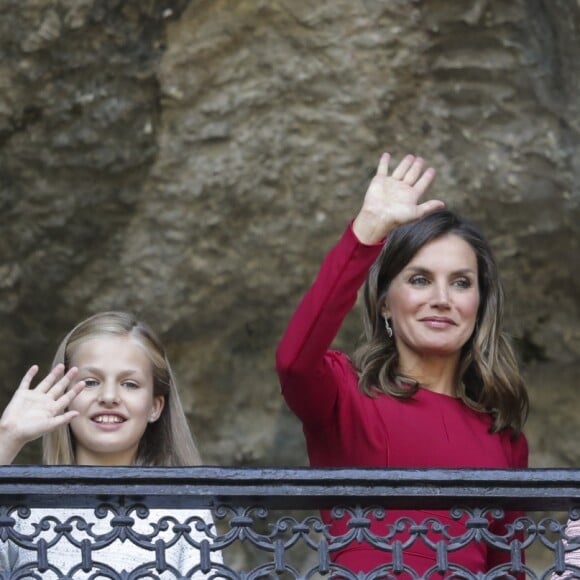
column 436, row 373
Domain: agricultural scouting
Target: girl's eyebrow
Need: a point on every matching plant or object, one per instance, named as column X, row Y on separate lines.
column 97, row 370
column 94, row 370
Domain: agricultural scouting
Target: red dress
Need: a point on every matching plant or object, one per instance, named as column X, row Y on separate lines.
column 346, row 428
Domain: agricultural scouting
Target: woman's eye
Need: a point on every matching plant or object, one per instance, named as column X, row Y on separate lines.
column 90, row 382
column 419, row 281
column 131, row 385
column 463, row 283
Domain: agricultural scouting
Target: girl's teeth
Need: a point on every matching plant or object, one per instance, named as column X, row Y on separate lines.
column 108, row 419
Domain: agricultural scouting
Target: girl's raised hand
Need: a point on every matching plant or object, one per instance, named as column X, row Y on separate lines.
column 393, row 200
column 33, row 412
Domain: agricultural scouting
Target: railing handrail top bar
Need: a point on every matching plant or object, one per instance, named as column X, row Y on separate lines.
column 296, row 488
column 293, row 475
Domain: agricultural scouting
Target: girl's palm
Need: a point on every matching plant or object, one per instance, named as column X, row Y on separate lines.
column 33, row 412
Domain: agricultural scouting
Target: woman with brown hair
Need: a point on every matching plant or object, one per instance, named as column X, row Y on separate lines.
column 435, row 382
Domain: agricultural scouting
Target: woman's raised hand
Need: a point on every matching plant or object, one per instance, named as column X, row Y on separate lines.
column 33, row 412
column 393, row 200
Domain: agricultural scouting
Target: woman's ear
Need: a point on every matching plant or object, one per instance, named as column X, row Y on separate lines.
column 385, row 313
column 157, row 408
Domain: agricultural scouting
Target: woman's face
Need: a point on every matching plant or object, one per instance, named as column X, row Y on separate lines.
column 117, row 402
column 432, row 303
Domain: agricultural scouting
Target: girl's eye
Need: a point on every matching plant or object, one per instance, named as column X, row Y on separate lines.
column 90, row 382
column 131, row 385
column 419, row 281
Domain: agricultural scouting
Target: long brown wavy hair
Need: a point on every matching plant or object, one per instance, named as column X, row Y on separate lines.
column 167, row 441
column 488, row 375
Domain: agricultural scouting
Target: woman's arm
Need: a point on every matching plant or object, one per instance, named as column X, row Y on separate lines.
column 310, row 379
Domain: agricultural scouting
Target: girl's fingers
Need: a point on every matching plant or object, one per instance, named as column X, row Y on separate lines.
column 64, row 418
column 403, row 167
column 27, row 378
column 60, row 387
column 46, row 384
column 66, row 399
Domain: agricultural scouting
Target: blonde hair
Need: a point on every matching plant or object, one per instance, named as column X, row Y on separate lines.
column 488, row 378
column 167, row 441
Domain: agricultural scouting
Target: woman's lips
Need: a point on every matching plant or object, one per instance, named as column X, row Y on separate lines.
column 438, row 322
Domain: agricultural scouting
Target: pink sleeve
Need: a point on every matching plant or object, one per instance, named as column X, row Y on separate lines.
column 572, row 558
column 308, row 375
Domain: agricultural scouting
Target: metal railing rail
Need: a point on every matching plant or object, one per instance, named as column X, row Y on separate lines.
column 95, row 512
column 298, row 488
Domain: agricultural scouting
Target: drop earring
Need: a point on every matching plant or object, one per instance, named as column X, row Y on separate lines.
column 388, row 328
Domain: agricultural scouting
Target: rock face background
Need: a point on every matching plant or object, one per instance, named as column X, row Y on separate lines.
column 194, row 160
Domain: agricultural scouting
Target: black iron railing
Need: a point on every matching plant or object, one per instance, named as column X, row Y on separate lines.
column 83, row 522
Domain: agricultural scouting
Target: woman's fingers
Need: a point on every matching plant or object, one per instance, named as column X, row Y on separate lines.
column 414, row 171
column 422, row 185
column 383, row 168
column 391, row 200
column 429, row 207
column 411, row 172
column 404, row 166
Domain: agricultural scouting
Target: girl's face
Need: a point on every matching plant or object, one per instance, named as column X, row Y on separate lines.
column 117, row 402
column 433, row 302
